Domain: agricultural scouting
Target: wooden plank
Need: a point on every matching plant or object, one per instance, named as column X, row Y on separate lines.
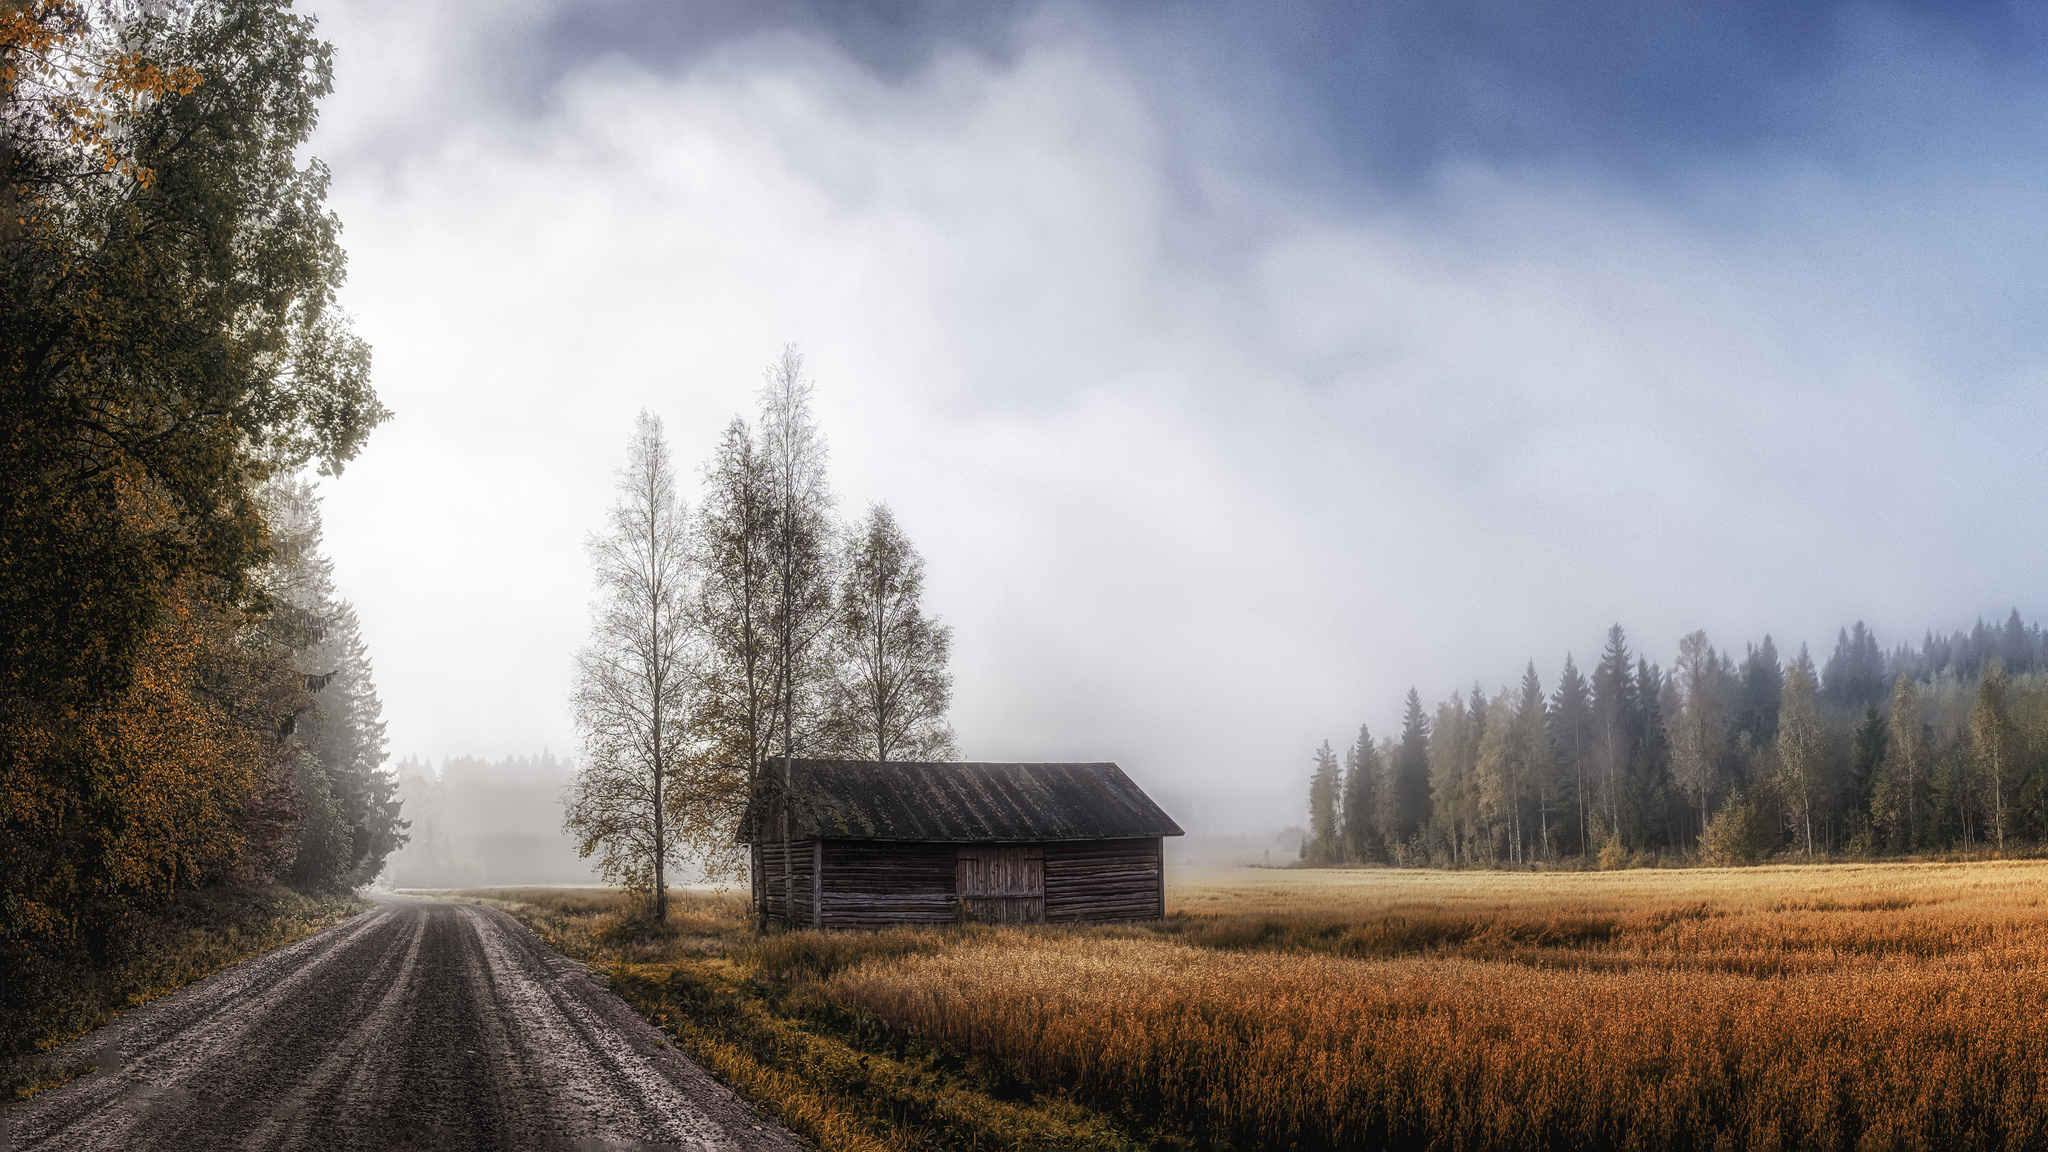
column 867, row 884
column 1002, row 883
column 1097, row 881
column 861, row 884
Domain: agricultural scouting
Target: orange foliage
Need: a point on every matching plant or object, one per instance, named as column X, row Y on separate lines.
column 184, row 776
column 58, row 69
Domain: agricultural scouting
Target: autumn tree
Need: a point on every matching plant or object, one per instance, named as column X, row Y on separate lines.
column 170, row 341
column 170, row 329
column 1537, row 766
column 1497, row 777
column 632, row 804
column 800, row 602
column 892, row 689
column 738, row 701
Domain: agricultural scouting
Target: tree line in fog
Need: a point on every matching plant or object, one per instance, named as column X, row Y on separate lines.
column 1941, row 746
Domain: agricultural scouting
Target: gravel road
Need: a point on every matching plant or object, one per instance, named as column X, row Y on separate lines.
column 414, row 1026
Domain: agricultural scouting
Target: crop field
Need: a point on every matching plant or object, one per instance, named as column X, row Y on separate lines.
column 1841, row 1006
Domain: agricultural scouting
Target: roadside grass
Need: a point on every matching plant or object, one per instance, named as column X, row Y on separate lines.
column 1787, row 1006
column 751, row 1009
column 51, row 998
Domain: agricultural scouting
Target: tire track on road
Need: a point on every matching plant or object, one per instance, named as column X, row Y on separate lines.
column 416, row 1026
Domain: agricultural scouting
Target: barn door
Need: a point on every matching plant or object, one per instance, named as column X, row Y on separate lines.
column 1002, row 883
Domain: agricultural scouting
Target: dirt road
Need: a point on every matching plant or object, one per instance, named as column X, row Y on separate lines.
column 414, row 1026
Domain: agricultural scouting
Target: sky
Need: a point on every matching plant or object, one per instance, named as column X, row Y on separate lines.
column 1234, row 367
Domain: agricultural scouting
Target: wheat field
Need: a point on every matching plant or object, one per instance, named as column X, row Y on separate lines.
column 1887, row 1006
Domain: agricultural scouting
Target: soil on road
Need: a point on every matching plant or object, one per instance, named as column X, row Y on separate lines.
column 414, row 1026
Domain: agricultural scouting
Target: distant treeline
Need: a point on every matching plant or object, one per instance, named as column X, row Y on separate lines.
column 1938, row 747
column 478, row 822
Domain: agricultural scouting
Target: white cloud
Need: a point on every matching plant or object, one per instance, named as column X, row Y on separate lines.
column 1201, row 478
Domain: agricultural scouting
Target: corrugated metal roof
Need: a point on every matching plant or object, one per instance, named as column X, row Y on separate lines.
column 866, row 800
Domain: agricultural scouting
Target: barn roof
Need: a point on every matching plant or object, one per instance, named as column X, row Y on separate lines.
column 867, row 800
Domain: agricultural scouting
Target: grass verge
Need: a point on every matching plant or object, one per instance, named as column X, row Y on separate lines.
column 1787, row 1007
column 52, row 998
column 752, row 1010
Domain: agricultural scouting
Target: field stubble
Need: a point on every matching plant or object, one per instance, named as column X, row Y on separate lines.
column 1881, row 1006
column 1799, row 1007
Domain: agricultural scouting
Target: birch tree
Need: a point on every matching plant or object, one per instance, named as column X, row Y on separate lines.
column 1802, row 747
column 736, row 706
column 1698, row 728
column 1453, row 756
column 1994, row 741
column 1904, row 776
column 629, row 805
column 1497, row 772
column 893, row 688
column 800, row 591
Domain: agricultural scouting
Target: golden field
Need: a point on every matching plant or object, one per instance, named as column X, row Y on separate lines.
column 1890, row 1006
column 1832, row 1006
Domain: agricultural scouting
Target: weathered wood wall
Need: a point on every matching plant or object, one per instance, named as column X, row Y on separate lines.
column 768, row 877
column 875, row 883
column 1002, row 883
column 1098, row 881
column 871, row 883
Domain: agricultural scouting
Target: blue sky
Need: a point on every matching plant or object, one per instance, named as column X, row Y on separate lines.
column 1235, row 367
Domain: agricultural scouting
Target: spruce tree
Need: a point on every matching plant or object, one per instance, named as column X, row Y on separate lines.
column 1408, row 800
column 1571, row 734
column 1362, row 772
column 1324, row 788
column 1617, row 723
column 1758, row 699
column 1859, row 783
column 1532, row 730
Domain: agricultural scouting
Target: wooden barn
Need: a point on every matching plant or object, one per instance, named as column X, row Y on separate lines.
column 869, row 844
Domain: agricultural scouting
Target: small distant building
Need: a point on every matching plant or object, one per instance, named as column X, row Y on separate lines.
column 872, row 844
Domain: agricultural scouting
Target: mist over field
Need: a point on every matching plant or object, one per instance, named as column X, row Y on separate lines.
column 1098, row 574
column 1234, row 373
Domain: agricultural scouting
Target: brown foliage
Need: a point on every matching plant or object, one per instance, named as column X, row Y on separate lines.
column 181, row 779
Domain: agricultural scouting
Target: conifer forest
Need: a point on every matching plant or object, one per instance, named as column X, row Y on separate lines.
column 1940, row 746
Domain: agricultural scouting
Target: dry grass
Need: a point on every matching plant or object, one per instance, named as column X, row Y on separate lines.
column 749, row 1008
column 1809, row 1007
